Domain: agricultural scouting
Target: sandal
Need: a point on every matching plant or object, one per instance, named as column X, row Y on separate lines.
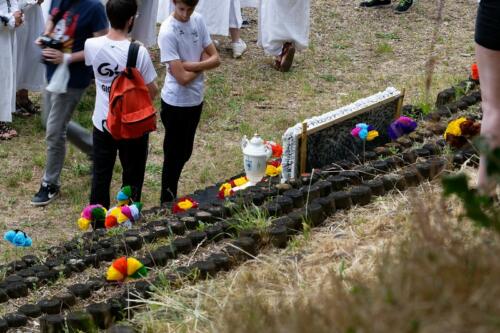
column 286, row 56
column 29, row 107
column 21, row 112
column 6, row 132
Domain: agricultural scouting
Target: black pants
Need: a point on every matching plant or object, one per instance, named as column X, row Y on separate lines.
column 180, row 128
column 488, row 24
column 133, row 155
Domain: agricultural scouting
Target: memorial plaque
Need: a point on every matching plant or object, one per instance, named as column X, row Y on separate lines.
column 329, row 135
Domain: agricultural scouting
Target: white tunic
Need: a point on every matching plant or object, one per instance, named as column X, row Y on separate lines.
column 249, row 3
column 30, row 70
column 45, row 9
column 145, row 25
column 283, row 21
column 219, row 15
column 165, row 8
column 7, row 62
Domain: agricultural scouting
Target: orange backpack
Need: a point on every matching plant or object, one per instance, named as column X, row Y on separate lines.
column 131, row 111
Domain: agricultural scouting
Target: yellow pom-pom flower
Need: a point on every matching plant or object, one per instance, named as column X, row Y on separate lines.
column 372, row 135
column 83, row 224
column 453, row 127
column 185, row 204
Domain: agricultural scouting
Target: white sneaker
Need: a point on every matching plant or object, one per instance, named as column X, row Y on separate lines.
column 239, row 48
column 216, row 44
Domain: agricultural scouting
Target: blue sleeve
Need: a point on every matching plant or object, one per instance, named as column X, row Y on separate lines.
column 99, row 19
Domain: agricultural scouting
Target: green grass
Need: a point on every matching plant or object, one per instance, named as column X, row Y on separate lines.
column 384, row 48
column 387, row 35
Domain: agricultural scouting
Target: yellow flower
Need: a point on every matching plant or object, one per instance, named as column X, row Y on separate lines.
column 273, row 171
column 453, row 127
column 240, row 181
column 372, row 135
column 226, row 189
column 83, row 223
column 185, row 205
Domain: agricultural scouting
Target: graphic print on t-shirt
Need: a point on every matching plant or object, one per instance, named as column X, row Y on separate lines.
column 65, row 29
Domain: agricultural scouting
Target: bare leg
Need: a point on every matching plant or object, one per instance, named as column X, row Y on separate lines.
column 235, row 34
column 489, row 76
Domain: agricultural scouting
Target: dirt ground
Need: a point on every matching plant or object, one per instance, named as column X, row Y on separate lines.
column 353, row 53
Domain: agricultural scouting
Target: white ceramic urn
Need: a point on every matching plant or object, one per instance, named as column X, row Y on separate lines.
column 255, row 156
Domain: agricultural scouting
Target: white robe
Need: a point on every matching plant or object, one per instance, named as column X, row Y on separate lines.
column 8, row 56
column 30, row 70
column 219, row 15
column 283, row 21
column 165, row 8
column 249, row 3
column 145, row 25
column 45, row 9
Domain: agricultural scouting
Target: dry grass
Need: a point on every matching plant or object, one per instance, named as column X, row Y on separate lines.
column 353, row 53
column 381, row 268
column 400, row 265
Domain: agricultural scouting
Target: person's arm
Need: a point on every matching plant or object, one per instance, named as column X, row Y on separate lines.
column 210, row 60
column 183, row 76
column 153, row 90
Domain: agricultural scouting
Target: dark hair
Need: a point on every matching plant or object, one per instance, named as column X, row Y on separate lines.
column 120, row 11
column 190, row 3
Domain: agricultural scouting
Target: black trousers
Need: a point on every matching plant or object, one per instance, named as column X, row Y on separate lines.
column 133, row 155
column 488, row 24
column 180, row 128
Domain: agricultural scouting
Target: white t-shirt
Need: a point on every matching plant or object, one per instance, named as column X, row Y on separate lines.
column 183, row 41
column 108, row 58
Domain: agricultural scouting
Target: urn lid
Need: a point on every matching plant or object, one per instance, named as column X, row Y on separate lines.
column 255, row 147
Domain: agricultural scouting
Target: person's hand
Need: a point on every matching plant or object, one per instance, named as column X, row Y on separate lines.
column 52, row 55
column 18, row 17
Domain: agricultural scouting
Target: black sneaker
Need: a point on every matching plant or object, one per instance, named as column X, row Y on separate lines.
column 403, row 6
column 375, row 3
column 45, row 195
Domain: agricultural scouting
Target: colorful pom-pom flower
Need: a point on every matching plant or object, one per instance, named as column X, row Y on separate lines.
column 460, row 130
column 226, row 189
column 401, row 126
column 276, row 149
column 124, row 216
column 124, row 196
column 273, row 168
column 126, row 268
column 18, row 238
column 184, row 204
column 364, row 132
column 92, row 215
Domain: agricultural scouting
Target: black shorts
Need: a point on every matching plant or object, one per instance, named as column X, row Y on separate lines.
column 488, row 24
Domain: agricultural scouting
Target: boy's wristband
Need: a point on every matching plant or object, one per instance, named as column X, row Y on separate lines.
column 67, row 58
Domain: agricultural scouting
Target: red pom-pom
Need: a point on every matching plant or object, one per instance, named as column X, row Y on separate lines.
column 110, row 222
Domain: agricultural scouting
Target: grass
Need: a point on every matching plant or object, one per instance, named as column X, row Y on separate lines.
column 384, row 48
column 346, row 61
column 414, row 264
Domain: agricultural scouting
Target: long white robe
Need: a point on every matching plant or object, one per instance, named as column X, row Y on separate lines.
column 283, row 21
column 249, row 3
column 165, row 8
column 219, row 15
column 45, row 9
column 145, row 25
column 30, row 70
column 8, row 56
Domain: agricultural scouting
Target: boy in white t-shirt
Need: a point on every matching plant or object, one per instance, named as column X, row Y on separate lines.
column 108, row 57
column 186, row 47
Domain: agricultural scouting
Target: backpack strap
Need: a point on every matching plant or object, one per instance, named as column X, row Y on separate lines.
column 133, row 53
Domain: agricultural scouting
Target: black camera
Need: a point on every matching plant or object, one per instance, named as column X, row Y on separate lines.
column 47, row 41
